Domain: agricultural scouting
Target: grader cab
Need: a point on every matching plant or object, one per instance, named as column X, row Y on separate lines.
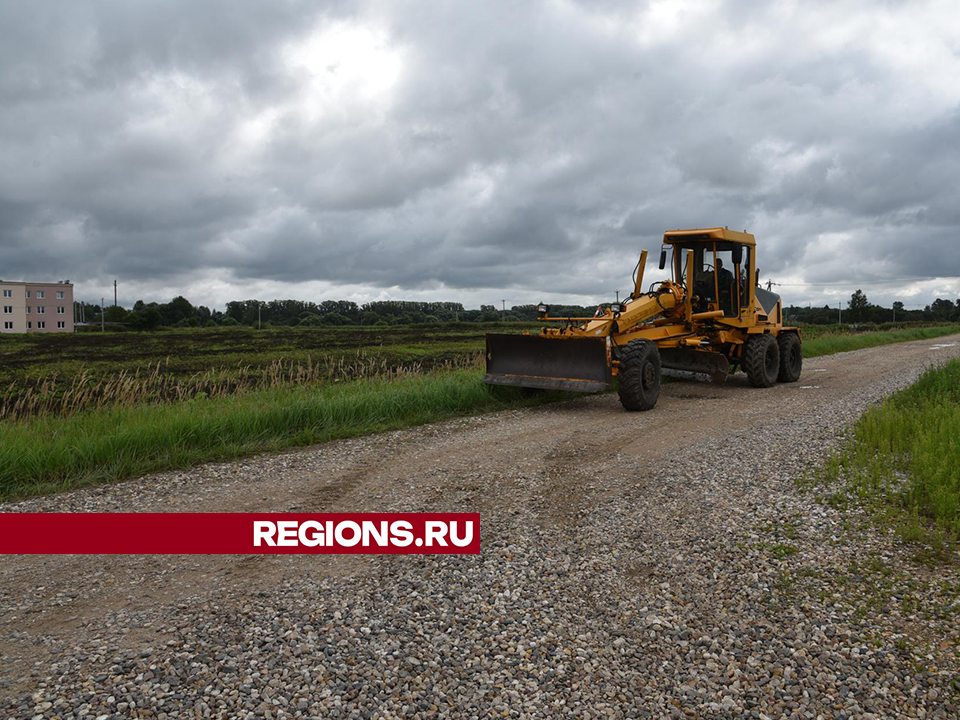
column 710, row 317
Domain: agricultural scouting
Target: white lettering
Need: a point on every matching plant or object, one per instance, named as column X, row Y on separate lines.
column 435, row 530
column 287, row 533
column 263, row 532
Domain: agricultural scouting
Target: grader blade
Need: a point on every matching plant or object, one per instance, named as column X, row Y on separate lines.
column 697, row 361
column 534, row 361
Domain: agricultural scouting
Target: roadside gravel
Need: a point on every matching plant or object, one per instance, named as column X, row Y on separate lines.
column 659, row 564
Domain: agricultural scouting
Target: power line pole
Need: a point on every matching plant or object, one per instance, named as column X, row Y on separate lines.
column 103, row 320
column 503, row 310
column 114, row 293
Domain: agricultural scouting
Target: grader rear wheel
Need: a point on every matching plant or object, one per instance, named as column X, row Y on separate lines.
column 638, row 380
column 791, row 357
column 761, row 360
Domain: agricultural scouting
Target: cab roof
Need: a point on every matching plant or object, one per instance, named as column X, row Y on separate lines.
column 705, row 234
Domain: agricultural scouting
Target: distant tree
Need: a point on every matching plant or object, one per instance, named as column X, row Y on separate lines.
column 489, row 313
column 146, row 319
column 115, row 314
column 858, row 306
column 942, row 309
column 176, row 310
column 229, row 321
column 310, row 319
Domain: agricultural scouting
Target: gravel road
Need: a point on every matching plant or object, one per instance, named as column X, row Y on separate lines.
column 658, row 564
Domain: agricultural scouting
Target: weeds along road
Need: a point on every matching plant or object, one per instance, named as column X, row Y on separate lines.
column 656, row 564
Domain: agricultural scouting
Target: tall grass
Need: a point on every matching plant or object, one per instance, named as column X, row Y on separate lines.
column 49, row 454
column 86, row 391
column 904, row 458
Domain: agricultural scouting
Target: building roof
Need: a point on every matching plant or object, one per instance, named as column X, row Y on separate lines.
column 60, row 283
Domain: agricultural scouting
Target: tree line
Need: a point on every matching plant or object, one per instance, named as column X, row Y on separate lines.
column 860, row 310
column 180, row 312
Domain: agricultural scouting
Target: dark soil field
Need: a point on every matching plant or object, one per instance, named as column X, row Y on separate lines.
column 29, row 358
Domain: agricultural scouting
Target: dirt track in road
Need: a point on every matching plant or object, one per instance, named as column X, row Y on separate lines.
column 550, row 468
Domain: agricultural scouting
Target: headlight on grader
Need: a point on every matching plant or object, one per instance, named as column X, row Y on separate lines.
column 542, row 310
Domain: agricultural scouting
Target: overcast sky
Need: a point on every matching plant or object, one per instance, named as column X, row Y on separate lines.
column 475, row 151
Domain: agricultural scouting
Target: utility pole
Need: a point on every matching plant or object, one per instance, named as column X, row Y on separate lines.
column 114, row 293
column 503, row 310
column 259, row 324
column 103, row 322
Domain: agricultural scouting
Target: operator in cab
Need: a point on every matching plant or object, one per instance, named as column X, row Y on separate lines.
column 725, row 286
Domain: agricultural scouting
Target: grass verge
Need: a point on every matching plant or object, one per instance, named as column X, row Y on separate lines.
column 903, row 461
column 842, row 342
column 49, row 454
column 53, row 454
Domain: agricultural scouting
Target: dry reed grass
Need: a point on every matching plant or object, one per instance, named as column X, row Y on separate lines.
column 52, row 396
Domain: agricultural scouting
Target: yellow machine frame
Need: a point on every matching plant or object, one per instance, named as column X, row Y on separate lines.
column 690, row 332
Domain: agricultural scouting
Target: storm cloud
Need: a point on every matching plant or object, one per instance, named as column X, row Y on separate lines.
column 475, row 151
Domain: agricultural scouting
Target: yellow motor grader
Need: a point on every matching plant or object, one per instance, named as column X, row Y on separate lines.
column 710, row 317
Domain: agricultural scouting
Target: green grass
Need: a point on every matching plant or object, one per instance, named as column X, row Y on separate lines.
column 829, row 343
column 52, row 454
column 903, row 460
column 47, row 454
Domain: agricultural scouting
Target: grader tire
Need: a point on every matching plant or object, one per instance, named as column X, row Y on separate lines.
column 791, row 357
column 761, row 360
column 638, row 380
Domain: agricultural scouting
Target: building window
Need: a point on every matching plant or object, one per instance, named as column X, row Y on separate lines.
column 29, row 309
column 8, row 293
column 60, row 310
column 8, row 309
column 8, row 326
column 59, row 294
column 41, row 309
column 28, row 293
column 61, row 324
column 39, row 294
column 41, row 325
column 29, row 326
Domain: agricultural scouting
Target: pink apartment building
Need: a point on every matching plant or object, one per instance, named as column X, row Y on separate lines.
column 36, row 307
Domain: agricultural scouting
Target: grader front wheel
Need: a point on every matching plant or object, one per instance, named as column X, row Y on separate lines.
column 638, row 380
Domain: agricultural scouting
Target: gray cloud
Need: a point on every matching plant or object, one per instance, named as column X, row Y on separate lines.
column 474, row 152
